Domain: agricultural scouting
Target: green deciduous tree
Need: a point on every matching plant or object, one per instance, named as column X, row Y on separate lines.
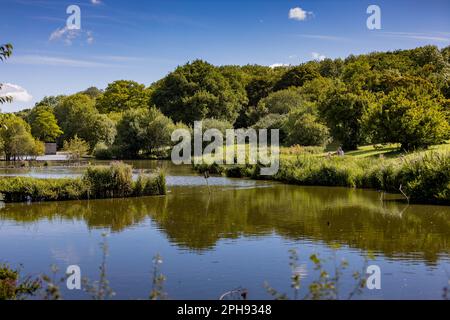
column 298, row 76
column 44, row 125
column 281, row 102
column 412, row 117
column 77, row 116
column 16, row 140
column 76, row 148
column 196, row 91
column 121, row 96
column 344, row 111
column 306, row 130
column 143, row 131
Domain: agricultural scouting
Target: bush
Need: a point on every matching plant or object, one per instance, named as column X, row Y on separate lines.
column 115, row 181
column 306, row 130
column 103, row 152
column 426, row 178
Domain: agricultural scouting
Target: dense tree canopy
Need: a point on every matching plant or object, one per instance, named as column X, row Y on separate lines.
column 77, row 116
column 16, row 140
column 120, row 96
column 196, row 91
column 143, row 130
column 412, row 117
column 399, row 97
column 298, row 76
column 43, row 123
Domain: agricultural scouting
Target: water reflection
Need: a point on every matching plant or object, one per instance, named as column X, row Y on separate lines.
column 193, row 219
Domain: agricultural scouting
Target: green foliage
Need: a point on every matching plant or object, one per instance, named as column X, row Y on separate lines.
column 298, row 76
column 143, row 130
column 16, row 140
column 281, row 102
column 92, row 92
column 77, row 116
column 220, row 125
column 44, row 125
column 50, row 101
column 114, row 181
column 426, row 178
column 412, row 117
column 305, row 129
column 76, row 148
column 14, row 288
column 103, row 152
column 5, row 53
column 423, row 178
column 344, row 112
column 196, row 91
column 121, row 96
column 273, row 121
column 326, row 286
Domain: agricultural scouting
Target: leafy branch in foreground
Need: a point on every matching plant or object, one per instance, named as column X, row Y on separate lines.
column 157, row 292
column 5, row 52
column 100, row 290
column 14, row 288
column 326, row 287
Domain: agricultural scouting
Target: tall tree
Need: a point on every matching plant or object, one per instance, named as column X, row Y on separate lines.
column 298, row 76
column 143, row 130
column 16, row 140
column 44, row 125
column 77, row 116
column 121, row 96
column 410, row 116
column 196, row 91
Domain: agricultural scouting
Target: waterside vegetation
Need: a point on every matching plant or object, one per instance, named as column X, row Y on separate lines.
column 98, row 182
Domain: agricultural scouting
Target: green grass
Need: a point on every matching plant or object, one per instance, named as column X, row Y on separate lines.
column 423, row 176
column 114, row 181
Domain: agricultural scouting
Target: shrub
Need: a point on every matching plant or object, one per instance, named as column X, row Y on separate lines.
column 426, row 178
column 103, row 152
column 306, row 130
column 115, row 181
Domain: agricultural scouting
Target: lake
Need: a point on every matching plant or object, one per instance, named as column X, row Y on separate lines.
column 234, row 233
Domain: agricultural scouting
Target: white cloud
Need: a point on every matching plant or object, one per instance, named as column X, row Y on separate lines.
column 418, row 36
column 299, row 14
column 276, row 65
column 95, row 2
column 56, row 61
column 317, row 56
column 18, row 93
column 90, row 37
column 69, row 35
column 65, row 34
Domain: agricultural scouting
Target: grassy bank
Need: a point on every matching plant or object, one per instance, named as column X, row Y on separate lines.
column 422, row 177
column 99, row 182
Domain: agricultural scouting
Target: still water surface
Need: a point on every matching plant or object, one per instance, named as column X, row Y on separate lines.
column 235, row 234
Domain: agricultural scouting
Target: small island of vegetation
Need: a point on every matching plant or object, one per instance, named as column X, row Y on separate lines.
column 98, row 182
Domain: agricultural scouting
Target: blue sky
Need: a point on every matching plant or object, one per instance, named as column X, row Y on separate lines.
column 144, row 40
